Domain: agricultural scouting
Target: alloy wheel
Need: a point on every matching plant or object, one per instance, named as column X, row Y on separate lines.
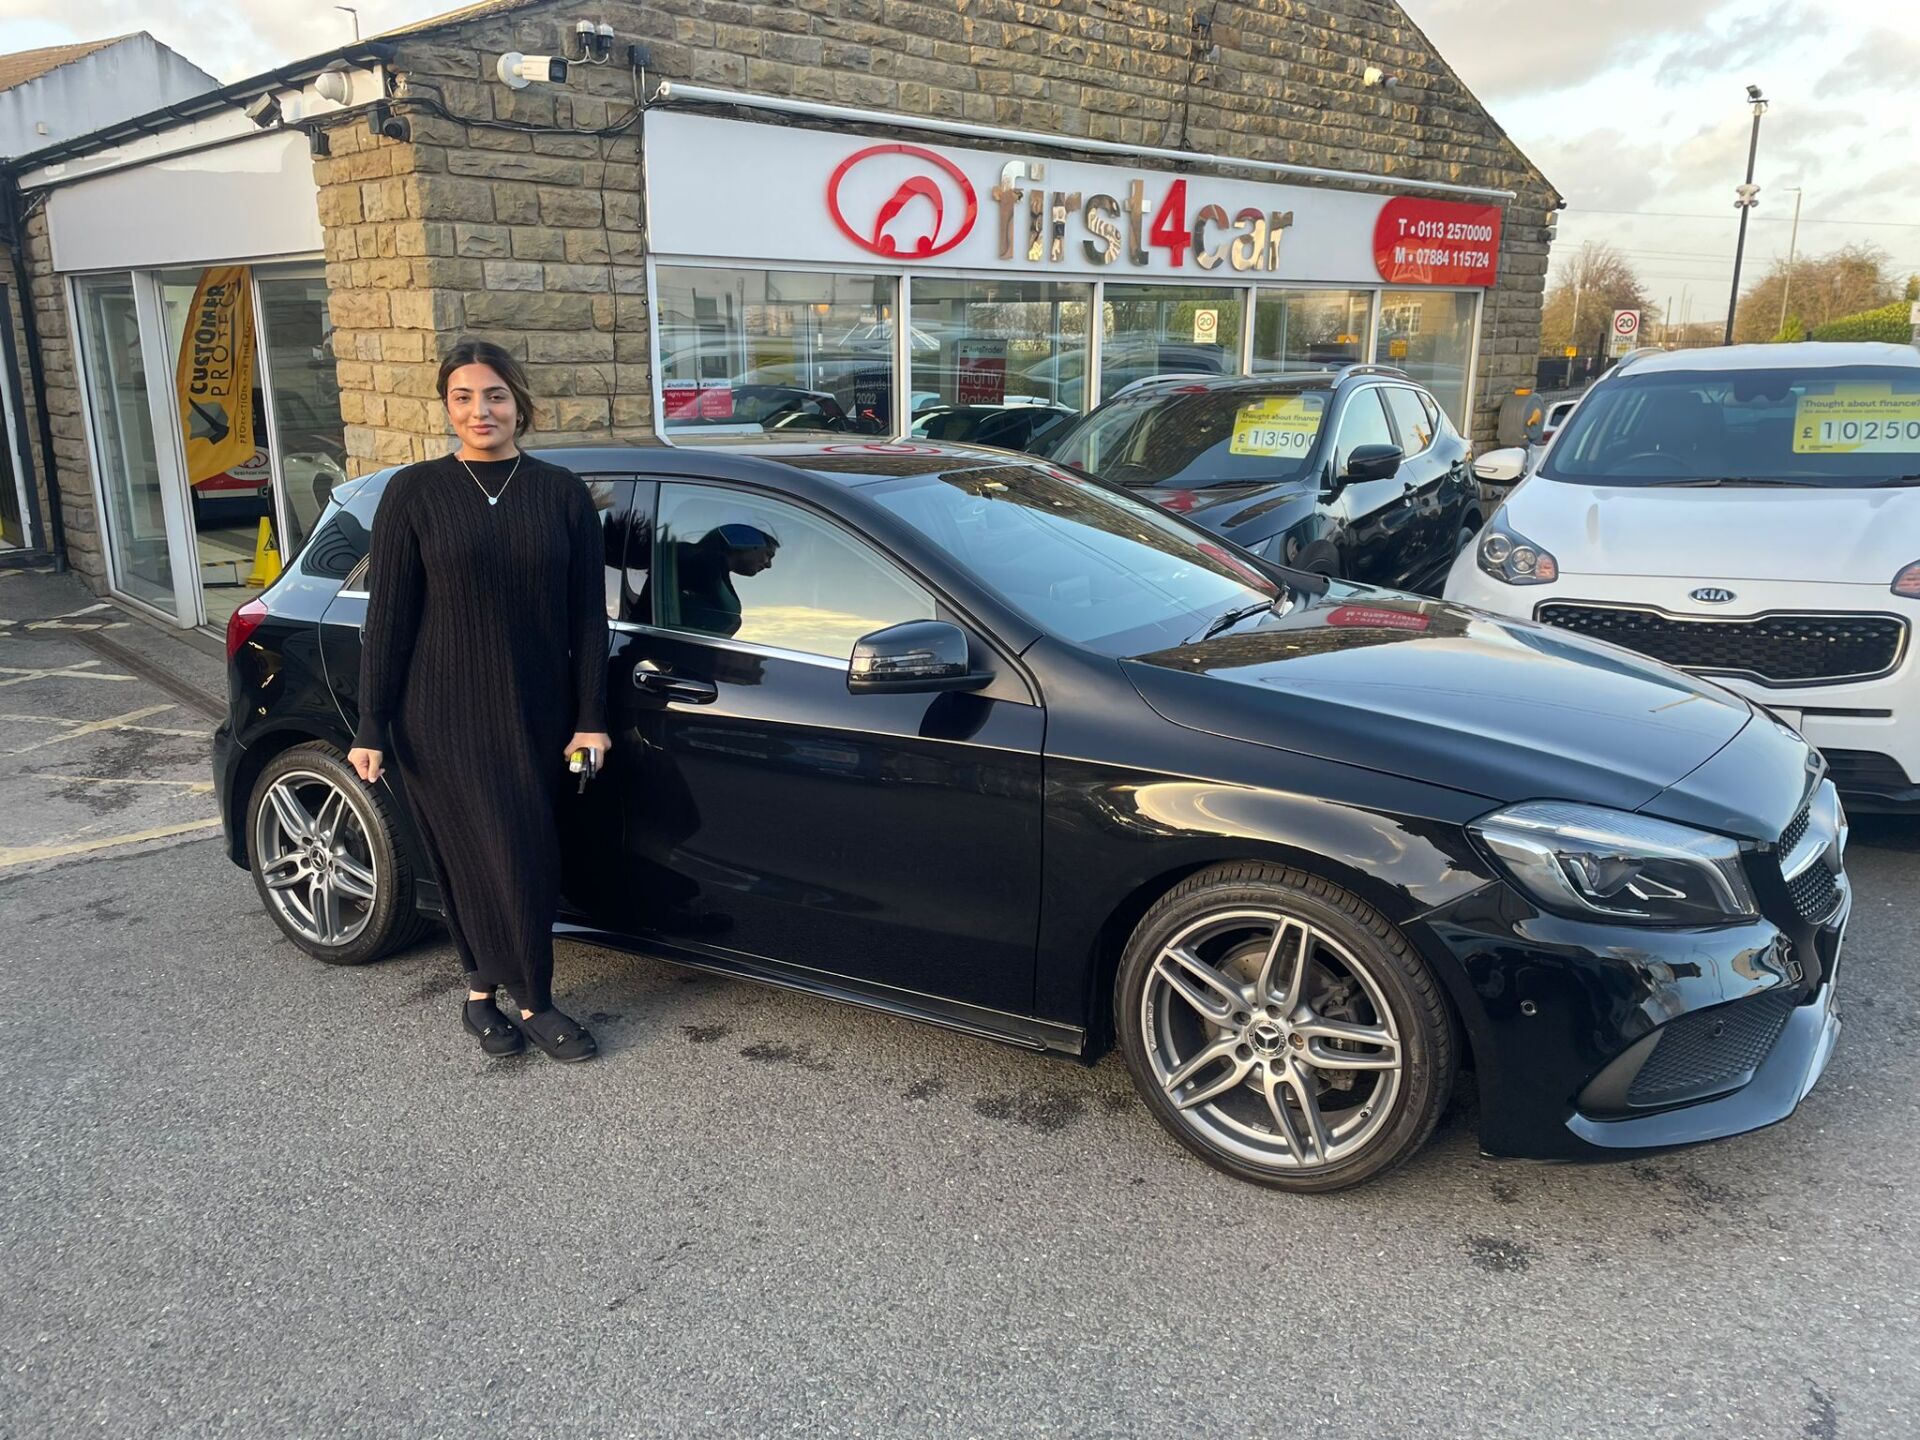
column 314, row 860
column 1271, row 1039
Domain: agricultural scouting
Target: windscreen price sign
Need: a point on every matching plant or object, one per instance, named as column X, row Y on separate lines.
column 1625, row 333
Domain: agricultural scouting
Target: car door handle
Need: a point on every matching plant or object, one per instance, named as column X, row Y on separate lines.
column 673, row 687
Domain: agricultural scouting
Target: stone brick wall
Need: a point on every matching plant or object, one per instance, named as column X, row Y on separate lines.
column 536, row 239
column 84, row 537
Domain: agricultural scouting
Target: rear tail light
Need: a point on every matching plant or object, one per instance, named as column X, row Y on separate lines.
column 243, row 623
column 1907, row 582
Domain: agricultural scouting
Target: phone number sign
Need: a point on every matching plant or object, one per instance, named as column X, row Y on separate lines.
column 1436, row 242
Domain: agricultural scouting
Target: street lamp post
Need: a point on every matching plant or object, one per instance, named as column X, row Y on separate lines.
column 1749, row 196
column 1793, row 248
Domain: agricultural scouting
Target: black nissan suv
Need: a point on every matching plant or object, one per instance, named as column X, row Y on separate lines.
column 1355, row 472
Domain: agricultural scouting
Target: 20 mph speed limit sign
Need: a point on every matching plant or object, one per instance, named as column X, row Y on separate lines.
column 1626, row 330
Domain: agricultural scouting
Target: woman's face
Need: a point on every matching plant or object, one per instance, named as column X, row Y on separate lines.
column 481, row 408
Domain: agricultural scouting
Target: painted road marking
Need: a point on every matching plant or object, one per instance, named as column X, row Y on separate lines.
column 193, row 787
column 27, row 854
column 81, row 671
column 94, row 727
column 75, row 625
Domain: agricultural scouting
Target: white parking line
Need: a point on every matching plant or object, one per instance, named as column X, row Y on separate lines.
column 193, row 787
column 81, row 671
column 77, row 728
column 27, row 854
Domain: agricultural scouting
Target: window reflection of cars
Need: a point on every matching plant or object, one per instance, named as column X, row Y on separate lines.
column 1018, row 423
column 1355, row 472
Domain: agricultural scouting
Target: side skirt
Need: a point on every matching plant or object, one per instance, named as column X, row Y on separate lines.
column 1022, row 1031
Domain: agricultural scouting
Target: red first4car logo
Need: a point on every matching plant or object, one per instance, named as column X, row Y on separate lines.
column 899, row 208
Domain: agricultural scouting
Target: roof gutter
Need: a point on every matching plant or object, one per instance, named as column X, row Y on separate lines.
column 672, row 91
column 167, row 117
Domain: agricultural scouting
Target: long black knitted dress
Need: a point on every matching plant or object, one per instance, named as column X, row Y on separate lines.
column 485, row 649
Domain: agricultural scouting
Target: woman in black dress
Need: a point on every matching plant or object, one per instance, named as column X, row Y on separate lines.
column 483, row 668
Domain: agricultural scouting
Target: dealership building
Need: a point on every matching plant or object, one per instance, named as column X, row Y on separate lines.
column 857, row 216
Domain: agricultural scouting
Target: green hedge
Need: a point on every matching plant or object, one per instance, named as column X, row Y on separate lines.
column 1889, row 322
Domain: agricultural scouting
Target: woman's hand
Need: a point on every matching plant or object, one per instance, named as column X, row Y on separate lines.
column 595, row 740
column 367, row 764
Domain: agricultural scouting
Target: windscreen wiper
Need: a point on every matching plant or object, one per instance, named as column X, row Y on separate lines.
column 1230, row 619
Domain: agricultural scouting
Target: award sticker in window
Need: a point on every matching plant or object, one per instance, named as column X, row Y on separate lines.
column 1857, row 419
column 1278, row 425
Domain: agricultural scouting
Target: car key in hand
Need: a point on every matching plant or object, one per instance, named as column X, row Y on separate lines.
column 581, row 762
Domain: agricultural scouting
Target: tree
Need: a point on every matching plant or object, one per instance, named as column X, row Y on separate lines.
column 1605, row 282
column 1824, row 288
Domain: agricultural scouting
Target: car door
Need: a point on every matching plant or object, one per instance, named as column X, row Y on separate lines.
column 1424, row 486
column 589, row 820
column 773, row 815
column 1377, row 516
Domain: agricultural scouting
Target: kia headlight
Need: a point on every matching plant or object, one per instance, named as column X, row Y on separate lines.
column 1907, row 582
column 1590, row 862
column 1513, row 559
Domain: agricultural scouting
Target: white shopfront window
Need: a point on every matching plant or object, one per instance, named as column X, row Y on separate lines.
column 1029, row 281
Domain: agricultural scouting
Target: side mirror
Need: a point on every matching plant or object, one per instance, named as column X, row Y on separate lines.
column 918, row 657
column 1501, row 467
column 1373, row 462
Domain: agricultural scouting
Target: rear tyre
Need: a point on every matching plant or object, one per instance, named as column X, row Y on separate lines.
column 325, row 854
column 1282, row 1030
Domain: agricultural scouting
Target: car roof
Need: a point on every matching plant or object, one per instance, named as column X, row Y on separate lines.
column 1800, row 355
column 848, row 461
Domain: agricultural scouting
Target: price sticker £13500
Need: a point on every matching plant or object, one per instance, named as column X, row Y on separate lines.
column 1282, row 425
column 1856, row 419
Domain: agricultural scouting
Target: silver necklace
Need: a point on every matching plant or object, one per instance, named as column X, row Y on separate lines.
column 493, row 497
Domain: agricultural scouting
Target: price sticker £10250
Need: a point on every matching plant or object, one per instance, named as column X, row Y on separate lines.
column 1857, row 419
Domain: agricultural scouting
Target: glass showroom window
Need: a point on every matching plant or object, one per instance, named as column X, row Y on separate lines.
column 998, row 362
column 1429, row 334
column 1168, row 330
column 746, row 351
column 1309, row 329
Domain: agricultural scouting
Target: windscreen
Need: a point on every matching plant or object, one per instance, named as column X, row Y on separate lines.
column 1844, row 425
column 1190, row 439
column 1082, row 563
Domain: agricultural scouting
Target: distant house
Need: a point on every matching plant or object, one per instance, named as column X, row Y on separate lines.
column 48, row 97
column 51, row 95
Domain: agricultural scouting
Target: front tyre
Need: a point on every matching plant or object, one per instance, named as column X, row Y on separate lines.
column 1282, row 1029
column 325, row 855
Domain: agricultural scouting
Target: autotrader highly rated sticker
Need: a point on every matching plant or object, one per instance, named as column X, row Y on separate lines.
column 1857, row 418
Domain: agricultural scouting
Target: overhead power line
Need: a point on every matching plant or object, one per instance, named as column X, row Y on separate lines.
column 1575, row 210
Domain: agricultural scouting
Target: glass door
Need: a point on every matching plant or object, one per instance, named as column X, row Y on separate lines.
column 305, row 436
column 143, row 510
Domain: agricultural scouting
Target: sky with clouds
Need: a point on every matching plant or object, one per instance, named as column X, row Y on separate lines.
column 1635, row 109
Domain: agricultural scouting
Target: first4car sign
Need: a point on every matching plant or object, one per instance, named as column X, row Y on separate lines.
column 842, row 199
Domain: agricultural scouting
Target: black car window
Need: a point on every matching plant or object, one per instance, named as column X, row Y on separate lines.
column 336, row 547
column 1436, row 417
column 749, row 568
column 1835, row 425
column 1409, row 418
column 1188, row 437
column 1363, row 422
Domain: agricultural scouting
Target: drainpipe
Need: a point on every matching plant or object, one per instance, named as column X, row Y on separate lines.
column 56, row 523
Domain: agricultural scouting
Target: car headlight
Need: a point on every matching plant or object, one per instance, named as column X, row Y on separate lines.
column 1511, row 558
column 1907, row 582
column 1586, row 861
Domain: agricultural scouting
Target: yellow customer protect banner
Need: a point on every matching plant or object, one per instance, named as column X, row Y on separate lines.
column 214, row 373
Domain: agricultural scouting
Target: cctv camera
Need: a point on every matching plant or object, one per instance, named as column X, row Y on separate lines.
column 518, row 71
column 1753, row 92
column 264, row 112
column 383, row 122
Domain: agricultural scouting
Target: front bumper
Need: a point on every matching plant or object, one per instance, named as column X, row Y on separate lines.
column 1566, row 1019
column 1868, row 729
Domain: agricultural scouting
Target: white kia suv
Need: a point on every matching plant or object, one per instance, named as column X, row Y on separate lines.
column 1750, row 513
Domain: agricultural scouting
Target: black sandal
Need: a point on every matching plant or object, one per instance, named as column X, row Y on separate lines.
column 497, row 1033
column 561, row 1037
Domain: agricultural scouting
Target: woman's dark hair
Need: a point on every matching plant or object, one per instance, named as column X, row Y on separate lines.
column 496, row 359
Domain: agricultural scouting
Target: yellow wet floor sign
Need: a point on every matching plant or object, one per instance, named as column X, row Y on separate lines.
column 266, row 556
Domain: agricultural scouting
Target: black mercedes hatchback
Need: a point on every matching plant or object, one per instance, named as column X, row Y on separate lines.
column 974, row 739
column 1356, row 473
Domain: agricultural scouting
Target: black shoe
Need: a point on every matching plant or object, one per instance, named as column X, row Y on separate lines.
column 497, row 1033
column 561, row 1037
